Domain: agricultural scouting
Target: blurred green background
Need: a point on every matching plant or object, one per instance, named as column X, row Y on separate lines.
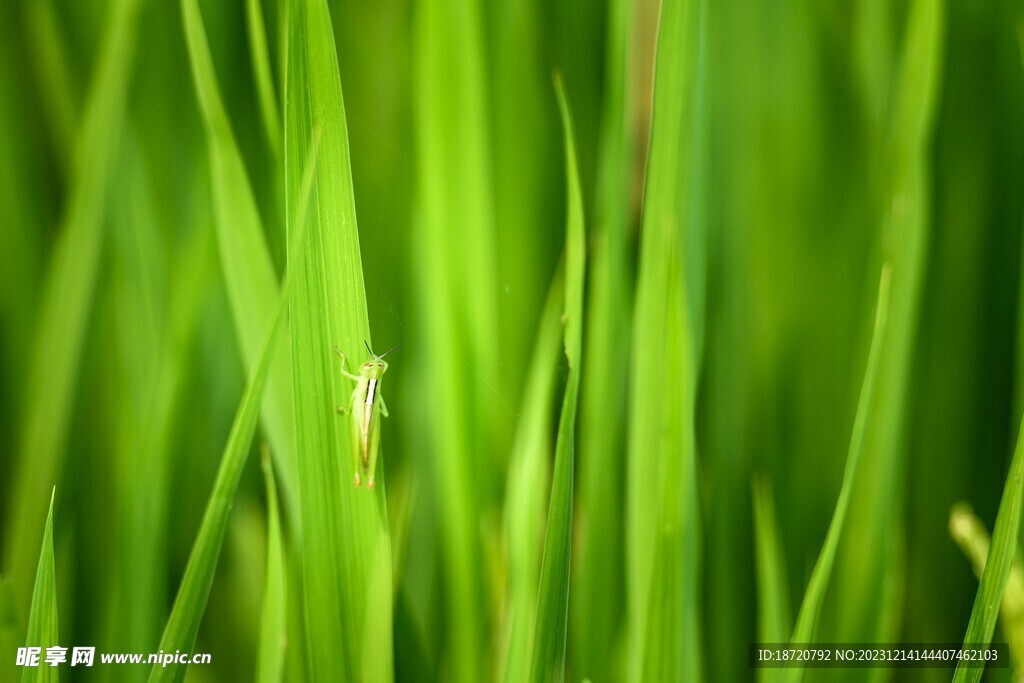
column 818, row 141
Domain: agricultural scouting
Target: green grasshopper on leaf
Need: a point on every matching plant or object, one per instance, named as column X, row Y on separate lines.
column 365, row 425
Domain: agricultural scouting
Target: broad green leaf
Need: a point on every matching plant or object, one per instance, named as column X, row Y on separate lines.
column 814, row 595
column 528, row 478
column 550, row 633
column 245, row 259
column 662, row 524
column 346, row 553
column 190, row 603
column 67, row 295
column 997, row 566
column 273, row 625
column 42, row 629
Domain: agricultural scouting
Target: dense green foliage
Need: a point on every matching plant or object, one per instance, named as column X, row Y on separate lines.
column 652, row 404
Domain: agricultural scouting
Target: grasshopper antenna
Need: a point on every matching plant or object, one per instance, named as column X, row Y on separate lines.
column 395, row 348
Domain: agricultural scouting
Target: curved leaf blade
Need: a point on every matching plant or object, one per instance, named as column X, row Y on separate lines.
column 190, row 603
column 249, row 274
column 814, row 595
column 553, row 595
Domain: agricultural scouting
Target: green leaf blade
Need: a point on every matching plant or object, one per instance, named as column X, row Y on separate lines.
column 257, row 31
column 774, row 622
column 528, row 480
column 814, row 595
column 273, row 620
column 194, row 590
column 249, row 274
column 905, row 146
column 458, row 294
column 346, row 569
column 662, row 537
column 42, row 631
column 68, row 294
column 553, row 595
column 599, row 579
column 997, row 567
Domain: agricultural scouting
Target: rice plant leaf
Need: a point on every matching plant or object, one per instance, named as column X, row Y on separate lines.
column 273, row 625
column 662, row 523
column 42, row 629
column 553, row 594
column 877, row 539
column 971, row 535
column 814, row 595
column 67, row 295
column 245, row 259
column 774, row 621
column 997, row 566
column 186, row 615
column 264, row 77
column 597, row 597
column 346, row 551
column 454, row 247
column 528, row 479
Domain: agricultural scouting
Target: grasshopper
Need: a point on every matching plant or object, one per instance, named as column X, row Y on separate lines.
column 365, row 425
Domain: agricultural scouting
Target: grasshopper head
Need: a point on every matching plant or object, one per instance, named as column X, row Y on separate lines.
column 377, row 365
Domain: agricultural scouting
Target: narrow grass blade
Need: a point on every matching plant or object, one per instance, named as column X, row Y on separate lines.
column 264, row 77
column 67, row 295
column 774, row 620
column 273, row 625
column 971, row 535
column 347, row 570
column 528, row 478
column 597, row 599
column 454, row 247
column 877, row 539
column 186, row 615
column 245, row 258
column 553, row 594
column 814, row 595
column 662, row 523
column 997, row 566
column 42, row 629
